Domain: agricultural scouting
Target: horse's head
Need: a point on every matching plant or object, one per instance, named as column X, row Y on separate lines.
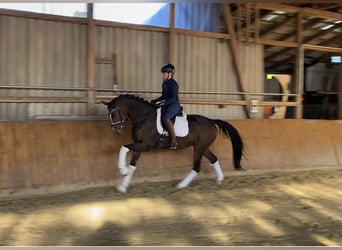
column 117, row 115
column 128, row 107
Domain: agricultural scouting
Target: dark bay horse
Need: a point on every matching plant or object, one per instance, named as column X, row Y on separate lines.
column 142, row 115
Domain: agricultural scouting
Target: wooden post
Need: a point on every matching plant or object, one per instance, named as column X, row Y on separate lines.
column 91, row 61
column 115, row 81
column 339, row 88
column 235, row 54
column 172, row 35
column 257, row 24
column 299, row 68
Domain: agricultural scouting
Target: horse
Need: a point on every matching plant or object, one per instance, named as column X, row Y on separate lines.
column 142, row 115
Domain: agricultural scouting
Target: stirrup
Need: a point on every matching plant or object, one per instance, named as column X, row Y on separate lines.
column 173, row 145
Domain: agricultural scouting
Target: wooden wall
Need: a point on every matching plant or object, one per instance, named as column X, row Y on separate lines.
column 38, row 156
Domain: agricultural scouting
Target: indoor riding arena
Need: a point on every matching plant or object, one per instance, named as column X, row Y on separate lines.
column 272, row 71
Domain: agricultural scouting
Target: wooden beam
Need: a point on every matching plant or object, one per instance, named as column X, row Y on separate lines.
column 309, row 24
column 256, row 18
column 194, row 101
column 234, row 50
column 277, row 26
column 277, row 43
column 248, row 17
column 279, row 7
column 40, row 16
column 130, row 26
column 299, row 68
column 202, row 34
column 311, row 49
column 280, row 52
column 42, row 99
column 161, row 29
column 308, row 39
column 91, row 61
column 306, row 11
column 115, row 72
column 322, row 13
column 172, row 35
column 339, row 88
column 323, row 48
column 98, row 99
column 214, row 102
column 329, row 41
column 257, row 23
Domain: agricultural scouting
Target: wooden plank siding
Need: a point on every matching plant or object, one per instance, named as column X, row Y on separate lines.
column 53, row 52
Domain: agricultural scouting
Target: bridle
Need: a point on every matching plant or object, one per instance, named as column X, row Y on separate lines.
column 119, row 124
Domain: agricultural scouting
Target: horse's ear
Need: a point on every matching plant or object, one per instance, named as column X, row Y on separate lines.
column 105, row 103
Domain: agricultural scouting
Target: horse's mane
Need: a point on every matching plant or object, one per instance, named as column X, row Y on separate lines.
column 135, row 97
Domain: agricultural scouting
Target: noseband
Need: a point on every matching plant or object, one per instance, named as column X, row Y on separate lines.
column 119, row 124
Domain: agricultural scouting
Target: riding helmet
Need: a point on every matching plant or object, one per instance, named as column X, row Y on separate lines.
column 169, row 68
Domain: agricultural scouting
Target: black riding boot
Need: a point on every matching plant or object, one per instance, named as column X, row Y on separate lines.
column 172, row 134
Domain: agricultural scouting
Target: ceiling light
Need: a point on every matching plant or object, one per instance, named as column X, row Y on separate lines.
column 335, row 59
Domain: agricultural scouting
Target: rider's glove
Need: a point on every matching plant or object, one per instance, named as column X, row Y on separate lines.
column 158, row 103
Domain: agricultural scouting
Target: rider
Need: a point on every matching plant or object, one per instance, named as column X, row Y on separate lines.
column 170, row 100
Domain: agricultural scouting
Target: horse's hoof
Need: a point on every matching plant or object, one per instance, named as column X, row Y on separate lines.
column 179, row 186
column 219, row 181
column 121, row 189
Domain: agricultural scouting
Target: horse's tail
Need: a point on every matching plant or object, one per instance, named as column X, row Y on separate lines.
column 236, row 140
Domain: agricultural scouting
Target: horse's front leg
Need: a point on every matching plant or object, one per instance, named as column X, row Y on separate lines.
column 128, row 171
column 123, row 156
column 126, row 180
column 122, row 160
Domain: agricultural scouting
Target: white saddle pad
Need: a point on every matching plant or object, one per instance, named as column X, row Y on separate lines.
column 181, row 125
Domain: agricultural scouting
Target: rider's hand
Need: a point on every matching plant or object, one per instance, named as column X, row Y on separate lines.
column 158, row 104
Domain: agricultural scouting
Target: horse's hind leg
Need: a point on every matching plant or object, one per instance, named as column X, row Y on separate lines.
column 215, row 164
column 195, row 170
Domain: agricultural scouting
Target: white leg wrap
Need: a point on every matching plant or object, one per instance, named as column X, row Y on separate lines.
column 186, row 181
column 126, row 180
column 122, row 160
column 218, row 171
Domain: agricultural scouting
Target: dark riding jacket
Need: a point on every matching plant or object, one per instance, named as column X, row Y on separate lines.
column 170, row 96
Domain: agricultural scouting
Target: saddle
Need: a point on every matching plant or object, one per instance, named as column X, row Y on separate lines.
column 180, row 123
